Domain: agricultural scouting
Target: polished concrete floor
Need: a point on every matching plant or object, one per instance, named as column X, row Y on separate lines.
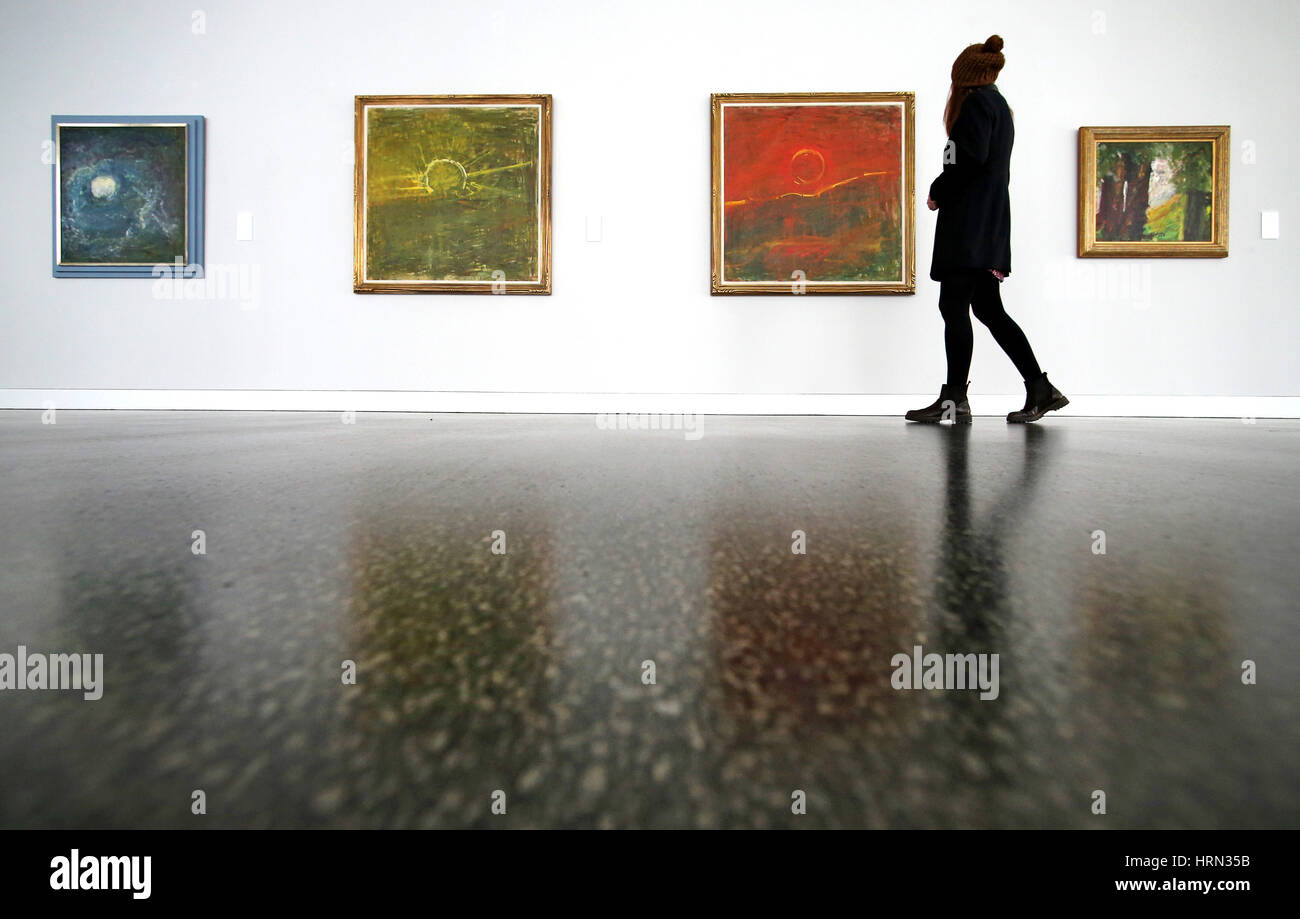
column 522, row 672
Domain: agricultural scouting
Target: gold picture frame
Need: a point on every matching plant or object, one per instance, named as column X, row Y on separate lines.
column 1162, row 227
column 434, row 170
column 727, row 277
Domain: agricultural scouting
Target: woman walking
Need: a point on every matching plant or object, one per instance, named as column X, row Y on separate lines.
column 972, row 239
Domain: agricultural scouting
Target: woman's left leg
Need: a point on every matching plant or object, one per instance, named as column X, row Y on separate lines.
column 986, row 304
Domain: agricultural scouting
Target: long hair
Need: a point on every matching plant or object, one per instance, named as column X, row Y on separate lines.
column 956, row 96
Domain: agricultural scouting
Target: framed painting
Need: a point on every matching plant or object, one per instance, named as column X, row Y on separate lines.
column 1158, row 192
column 813, row 193
column 128, row 196
column 453, row 194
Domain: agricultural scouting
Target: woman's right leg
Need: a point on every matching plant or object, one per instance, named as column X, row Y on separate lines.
column 958, row 338
column 986, row 302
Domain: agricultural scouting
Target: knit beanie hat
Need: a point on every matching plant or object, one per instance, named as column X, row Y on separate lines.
column 978, row 65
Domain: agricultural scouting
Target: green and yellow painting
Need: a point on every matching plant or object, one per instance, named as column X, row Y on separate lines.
column 452, row 193
column 1155, row 191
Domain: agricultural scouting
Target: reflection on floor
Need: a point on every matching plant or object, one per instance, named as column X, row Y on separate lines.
column 526, row 672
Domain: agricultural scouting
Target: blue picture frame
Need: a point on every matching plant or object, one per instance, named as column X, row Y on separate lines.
column 145, row 175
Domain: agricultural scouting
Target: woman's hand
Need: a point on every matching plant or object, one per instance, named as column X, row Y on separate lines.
column 931, row 204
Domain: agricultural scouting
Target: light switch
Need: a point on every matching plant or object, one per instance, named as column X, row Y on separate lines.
column 244, row 226
column 1270, row 225
column 595, row 229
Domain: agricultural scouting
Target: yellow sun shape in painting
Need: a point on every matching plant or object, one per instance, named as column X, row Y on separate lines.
column 444, row 177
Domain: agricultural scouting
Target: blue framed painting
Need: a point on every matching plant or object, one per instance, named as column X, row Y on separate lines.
column 128, row 196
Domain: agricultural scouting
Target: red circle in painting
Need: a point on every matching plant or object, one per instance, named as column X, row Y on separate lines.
column 807, row 166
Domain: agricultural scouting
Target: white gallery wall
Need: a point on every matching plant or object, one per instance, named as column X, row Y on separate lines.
column 631, row 311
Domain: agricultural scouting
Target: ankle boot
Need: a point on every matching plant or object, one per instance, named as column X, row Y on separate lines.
column 950, row 406
column 1041, row 397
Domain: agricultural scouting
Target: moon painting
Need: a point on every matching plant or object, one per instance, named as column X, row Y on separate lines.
column 121, row 194
column 453, row 194
column 812, row 193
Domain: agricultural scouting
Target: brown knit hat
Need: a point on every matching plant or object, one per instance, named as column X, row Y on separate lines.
column 978, row 65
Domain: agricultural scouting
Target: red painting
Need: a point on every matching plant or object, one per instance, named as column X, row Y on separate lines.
column 813, row 191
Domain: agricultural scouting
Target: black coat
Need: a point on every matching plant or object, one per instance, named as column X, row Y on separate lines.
column 974, row 228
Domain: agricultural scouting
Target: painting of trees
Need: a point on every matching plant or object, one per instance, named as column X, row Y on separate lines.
column 1183, row 175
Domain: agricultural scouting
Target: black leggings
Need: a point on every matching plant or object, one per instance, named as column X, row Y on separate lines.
column 978, row 290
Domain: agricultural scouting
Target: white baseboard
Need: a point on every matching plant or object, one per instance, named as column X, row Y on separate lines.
column 629, row 403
